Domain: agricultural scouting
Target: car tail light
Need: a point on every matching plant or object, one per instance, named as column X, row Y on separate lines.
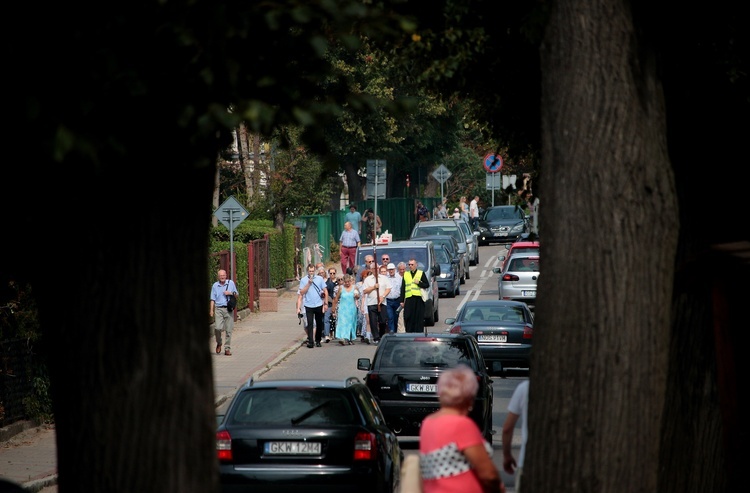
column 510, row 277
column 456, row 329
column 365, row 446
column 223, row 445
column 528, row 332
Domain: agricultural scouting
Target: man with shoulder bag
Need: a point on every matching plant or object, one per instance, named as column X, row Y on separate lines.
column 222, row 292
column 315, row 298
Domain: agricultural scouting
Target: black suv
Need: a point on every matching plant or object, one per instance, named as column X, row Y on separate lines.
column 403, row 378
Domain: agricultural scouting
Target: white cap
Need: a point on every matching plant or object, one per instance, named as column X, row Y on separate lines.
column 391, row 266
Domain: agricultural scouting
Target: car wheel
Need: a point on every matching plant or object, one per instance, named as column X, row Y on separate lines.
column 436, row 318
column 458, row 289
column 451, row 294
column 468, row 274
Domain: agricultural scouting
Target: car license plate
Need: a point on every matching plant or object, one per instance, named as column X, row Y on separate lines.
column 492, row 338
column 292, row 448
column 421, row 387
column 529, row 293
column 502, row 233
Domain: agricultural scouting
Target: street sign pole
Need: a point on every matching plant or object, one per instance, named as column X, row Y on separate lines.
column 231, row 213
column 441, row 174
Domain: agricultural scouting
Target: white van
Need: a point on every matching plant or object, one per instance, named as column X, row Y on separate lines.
column 402, row 251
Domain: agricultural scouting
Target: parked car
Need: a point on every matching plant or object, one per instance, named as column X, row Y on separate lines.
column 518, row 247
column 307, row 435
column 423, row 252
column 519, row 279
column 451, row 245
column 502, row 223
column 472, row 239
column 449, row 282
column 403, row 374
column 503, row 329
column 445, row 227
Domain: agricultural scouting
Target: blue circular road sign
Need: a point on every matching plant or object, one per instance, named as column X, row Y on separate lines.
column 493, row 163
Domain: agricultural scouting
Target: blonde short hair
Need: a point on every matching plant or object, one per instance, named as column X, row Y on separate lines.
column 457, row 387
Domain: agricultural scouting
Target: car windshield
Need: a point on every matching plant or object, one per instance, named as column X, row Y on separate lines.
column 442, row 256
column 397, row 254
column 291, row 406
column 453, row 231
column 511, row 212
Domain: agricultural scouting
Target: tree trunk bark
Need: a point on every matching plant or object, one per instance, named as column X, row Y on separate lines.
column 127, row 332
column 354, row 181
column 247, row 164
column 603, row 127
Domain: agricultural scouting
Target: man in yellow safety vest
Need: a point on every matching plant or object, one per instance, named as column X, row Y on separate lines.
column 413, row 280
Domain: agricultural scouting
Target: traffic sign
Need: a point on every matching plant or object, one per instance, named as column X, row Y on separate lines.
column 376, row 179
column 231, row 213
column 493, row 181
column 493, row 163
column 441, row 174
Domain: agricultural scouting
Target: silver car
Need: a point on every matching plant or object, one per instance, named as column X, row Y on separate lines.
column 518, row 280
column 472, row 241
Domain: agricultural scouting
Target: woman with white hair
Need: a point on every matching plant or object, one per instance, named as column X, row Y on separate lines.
column 453, row 455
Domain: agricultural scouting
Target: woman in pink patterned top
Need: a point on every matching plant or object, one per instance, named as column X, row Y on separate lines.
column 453, row 455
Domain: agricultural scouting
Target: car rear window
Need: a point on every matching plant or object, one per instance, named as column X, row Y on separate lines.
column 524, row 265
column 307, row 406
column 425, row 352
column 493, row 314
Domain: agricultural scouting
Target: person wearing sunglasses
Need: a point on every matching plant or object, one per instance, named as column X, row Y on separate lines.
column 414, row 280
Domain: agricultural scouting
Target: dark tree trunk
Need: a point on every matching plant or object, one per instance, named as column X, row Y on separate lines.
column 123, row 299
column 354, row 181
column 599, row 377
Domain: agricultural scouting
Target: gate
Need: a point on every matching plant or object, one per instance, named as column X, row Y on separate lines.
column 258, row 263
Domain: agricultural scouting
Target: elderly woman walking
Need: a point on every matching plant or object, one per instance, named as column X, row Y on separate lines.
column 345, row 305
column 453, row 455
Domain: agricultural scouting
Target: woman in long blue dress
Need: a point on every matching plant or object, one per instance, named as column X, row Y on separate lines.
column 346, row 306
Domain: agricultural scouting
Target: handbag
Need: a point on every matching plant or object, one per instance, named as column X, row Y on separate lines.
column 231, row 302
column 425, row 294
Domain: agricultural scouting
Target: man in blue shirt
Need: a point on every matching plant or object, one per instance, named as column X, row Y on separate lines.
column 223, row 317
column 348, row 241
column 315, row 298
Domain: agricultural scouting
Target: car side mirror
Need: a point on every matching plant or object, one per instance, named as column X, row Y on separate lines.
column 496, row 270
column 436, row 270
column 363, row 364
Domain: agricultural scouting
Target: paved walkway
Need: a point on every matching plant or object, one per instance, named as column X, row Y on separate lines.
column 28, row 455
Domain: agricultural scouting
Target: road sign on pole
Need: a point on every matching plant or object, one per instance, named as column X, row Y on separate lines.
column 441, row 174
column 376, row 179
column 231, row 213
column 492, row 163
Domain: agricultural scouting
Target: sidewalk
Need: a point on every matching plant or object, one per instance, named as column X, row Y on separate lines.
column 28, row 455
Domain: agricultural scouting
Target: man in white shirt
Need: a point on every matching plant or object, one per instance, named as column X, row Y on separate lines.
column 376, row 288
column 393, row 302
column 474, row 213
column 517, row 407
